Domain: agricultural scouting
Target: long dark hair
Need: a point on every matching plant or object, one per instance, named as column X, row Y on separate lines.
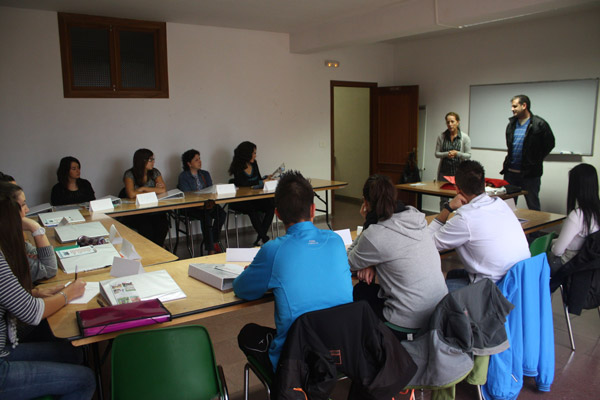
column 583, row 193
column 62, row 173
column 140, row 159
column 241, row 155
column 11, row 239
column 381, row 194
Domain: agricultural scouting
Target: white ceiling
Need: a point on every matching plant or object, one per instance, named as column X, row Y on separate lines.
column 316, row 25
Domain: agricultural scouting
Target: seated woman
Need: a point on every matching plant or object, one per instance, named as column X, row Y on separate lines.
column 30, row 370
column 211, row 216
column 41, row 257
column 395, row 245
column 244, row 169
column 70, row 189
column 144, row 178
column 583, row 207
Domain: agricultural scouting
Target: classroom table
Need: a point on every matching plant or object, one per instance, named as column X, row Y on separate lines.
column 195, row 199
column 150, row 252
column 434, row 188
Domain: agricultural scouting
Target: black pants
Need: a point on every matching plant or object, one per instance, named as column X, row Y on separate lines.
column 261, row 214
column 211, row 222
column 153, row 226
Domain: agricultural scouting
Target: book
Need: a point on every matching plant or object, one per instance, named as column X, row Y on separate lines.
column 70, row 233
column 102, row 256
column 54, row 218
column 40, row 208
column 146, row 286
column 219, row 276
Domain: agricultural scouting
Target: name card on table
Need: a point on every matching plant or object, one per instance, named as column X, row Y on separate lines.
column 128, row 251
column 124, row 267
column 146, row 199
column 105, row 204
column 241, row 254
column 225, row 189
column 114, row 236
column 270, row 186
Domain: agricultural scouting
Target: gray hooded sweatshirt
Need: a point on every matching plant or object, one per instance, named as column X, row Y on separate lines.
column 407, row 264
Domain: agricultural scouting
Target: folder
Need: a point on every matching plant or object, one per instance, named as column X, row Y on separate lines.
column 70, row 233
column 219, row 276
column 101, row 257
column 132, row 288
column 54, row 218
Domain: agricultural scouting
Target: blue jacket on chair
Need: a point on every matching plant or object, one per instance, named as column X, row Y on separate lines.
column 530, row 331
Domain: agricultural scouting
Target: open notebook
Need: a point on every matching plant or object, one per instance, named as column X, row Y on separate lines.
column 146, row 286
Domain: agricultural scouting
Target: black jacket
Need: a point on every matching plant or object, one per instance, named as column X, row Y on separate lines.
column 580, row 277
column 539, row 141
column 349, row 339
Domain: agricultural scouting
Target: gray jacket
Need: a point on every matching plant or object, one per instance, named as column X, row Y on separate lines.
column 407, row 264
column 42, row 262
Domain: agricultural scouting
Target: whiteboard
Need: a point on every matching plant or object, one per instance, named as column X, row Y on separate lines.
column 568, row 106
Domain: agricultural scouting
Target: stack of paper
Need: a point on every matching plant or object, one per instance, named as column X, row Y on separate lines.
column 150, row 285
column 70, row 233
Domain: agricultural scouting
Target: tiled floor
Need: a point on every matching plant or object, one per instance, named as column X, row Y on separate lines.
column 577, row 374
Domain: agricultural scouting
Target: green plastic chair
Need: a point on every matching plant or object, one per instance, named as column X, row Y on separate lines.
column 541, row 244
column 173, row 363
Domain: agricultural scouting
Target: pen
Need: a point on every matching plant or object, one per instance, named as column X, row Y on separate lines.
column 75, row 271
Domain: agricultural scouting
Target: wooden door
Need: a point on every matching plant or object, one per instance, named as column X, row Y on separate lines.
column 396, row 132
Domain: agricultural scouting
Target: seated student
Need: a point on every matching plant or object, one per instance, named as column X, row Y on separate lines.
column 395, row 244
column 583, row 206
column 485, row 232
column 7, row 178
column 244, row 169
column 144, row 178
column 307, row 270
column 30, row 370
column 212, row 217
column 71, row 189
column 41, row 257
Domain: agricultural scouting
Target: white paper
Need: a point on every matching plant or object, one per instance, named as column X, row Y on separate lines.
column 417, row 184
column 225, row 189
column 70, row 232
column 91, row 291
column 241, row 254
column 146, row 199
column 359, row 230
column 270, row 186
column 114, row 236
column 345, row 235
column 151, row 285
column 125, row 267
column 105, row 204
column 128, row 251
column 233, row 269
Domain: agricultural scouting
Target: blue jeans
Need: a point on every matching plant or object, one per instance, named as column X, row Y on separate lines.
column 45, row 368
column 532, row 185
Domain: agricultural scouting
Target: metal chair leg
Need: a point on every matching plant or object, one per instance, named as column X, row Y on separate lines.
column 190, row 236
column 566, row 309
column 237, row 235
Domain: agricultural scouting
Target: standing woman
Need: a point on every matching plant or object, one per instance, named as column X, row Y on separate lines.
column 452, row 147
column 583, row 206
column 244, row 169
column 30, row 370
column 71, row 189
column 41, row 257
column 395, row 246
column 144, row 178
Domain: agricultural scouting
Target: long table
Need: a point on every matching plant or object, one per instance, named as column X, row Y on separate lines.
column 202, row 301
column 150, row 252
column 434, row 188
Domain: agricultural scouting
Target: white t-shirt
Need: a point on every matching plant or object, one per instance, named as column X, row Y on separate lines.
column 572, row 236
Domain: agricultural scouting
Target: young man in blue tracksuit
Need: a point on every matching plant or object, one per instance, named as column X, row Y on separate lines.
column 307, row 270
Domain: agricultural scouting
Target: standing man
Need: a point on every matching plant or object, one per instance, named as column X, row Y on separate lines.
column 307, row 270
column 529, row 140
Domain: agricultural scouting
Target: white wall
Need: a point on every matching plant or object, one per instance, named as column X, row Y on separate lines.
column 226, row 86
column 351, row 137
column 557, row 48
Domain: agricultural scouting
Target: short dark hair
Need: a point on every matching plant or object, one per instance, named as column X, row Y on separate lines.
column 293, row 198
column 62, row 173
column 470, row 177
column 380, row 192
column 6, row 178
column 187, row 157
column 521, row 98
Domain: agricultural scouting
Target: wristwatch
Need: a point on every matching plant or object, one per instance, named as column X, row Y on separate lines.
column 39, row 232
column 447, row 207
